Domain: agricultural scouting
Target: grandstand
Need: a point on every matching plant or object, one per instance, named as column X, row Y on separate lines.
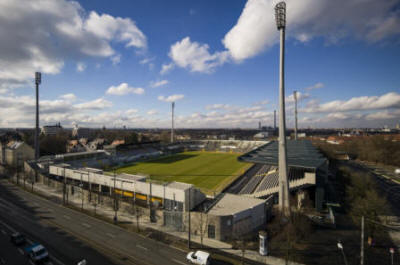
column 307, row 171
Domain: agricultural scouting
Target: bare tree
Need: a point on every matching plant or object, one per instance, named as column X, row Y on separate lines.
column 202, row 226
column 241, row 236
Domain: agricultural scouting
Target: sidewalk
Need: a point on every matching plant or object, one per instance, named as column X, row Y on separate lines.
column 144, row 222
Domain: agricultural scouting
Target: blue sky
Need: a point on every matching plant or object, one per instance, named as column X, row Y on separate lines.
column 102, row 64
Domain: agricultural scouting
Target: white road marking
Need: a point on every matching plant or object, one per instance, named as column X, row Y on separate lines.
column 86, row 225
column 20, row 251
column 67, row 217
column 180, row 262
column 4, row 232
column 9, row 227
column 110, row 235
column 139, row 246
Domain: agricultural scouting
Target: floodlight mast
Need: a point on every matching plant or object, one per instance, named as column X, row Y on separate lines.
column 284, row 204
column 295, row 114
column 38, row 80
column 172, row 122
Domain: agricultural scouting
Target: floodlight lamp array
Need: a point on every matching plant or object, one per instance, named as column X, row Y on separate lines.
column 38, row 78
column 280, row 15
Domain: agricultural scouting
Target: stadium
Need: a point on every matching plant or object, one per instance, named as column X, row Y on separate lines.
column 232, row 181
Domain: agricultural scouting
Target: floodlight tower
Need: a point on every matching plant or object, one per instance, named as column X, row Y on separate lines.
column 295, row 114
column 284, row 204
column 38, row 80
column 172, row 121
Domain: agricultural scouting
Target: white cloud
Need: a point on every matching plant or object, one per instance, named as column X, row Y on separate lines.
column 122, row 29
column 116, row 59
column 80, row 67
column 300, row 97
column 256, row 31
column 172, row 98
column 68, row 97
column 165, row 68
column 315, row 86
column 195, row 56
column 218, row 106
column 159, row 83
column 131, row 111
column 97, row 104
column 124, row 89
column 152, row 112
column 389, row 100
column 146, row 60
column 262, row 102
column 41, row 35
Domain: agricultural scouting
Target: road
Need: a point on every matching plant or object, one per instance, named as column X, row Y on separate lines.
column 71, row 236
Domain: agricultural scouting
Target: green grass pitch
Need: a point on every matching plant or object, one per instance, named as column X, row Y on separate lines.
column 209, row 171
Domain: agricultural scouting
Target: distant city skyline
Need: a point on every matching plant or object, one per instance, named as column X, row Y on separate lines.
column 121, row 64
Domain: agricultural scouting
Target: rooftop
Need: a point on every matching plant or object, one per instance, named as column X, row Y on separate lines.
column 231, row 204
column 179, row 185
column 300, row 154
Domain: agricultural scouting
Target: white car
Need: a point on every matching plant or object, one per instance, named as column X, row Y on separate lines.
column 199, row 257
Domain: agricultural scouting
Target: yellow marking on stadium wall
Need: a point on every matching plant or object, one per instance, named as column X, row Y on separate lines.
column 154, row 199
column 141, row 197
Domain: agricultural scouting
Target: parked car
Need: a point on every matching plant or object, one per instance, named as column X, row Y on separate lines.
column 17, row 239
column 199, row 257
column 37, row 253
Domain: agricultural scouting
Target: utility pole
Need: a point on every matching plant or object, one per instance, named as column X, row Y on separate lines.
column 190, row 189
column 64, row 185
column 172, row 122
column 362, row 241
column 284, row 204
column 295, row 114
column 274, row 120
column 82, row 194
column 115, row 201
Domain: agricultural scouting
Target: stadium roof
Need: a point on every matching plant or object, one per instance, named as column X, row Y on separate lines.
column 300, row 154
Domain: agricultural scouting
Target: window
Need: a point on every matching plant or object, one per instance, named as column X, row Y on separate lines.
column 211, row 231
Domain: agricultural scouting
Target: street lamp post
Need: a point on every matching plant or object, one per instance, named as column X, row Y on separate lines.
column 284, row 204
column 340, row 246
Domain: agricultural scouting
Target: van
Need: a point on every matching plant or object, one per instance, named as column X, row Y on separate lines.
column 199, row 257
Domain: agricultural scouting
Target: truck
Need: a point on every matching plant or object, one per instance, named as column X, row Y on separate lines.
column 37, row 253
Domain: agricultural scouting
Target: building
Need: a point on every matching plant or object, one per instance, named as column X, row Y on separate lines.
column 15, row 152
column 232, row 216
column 79, row 132
column 172, row 196
column 52, row 129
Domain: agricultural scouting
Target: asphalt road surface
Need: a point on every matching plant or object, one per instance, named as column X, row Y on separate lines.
column 71, row 236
